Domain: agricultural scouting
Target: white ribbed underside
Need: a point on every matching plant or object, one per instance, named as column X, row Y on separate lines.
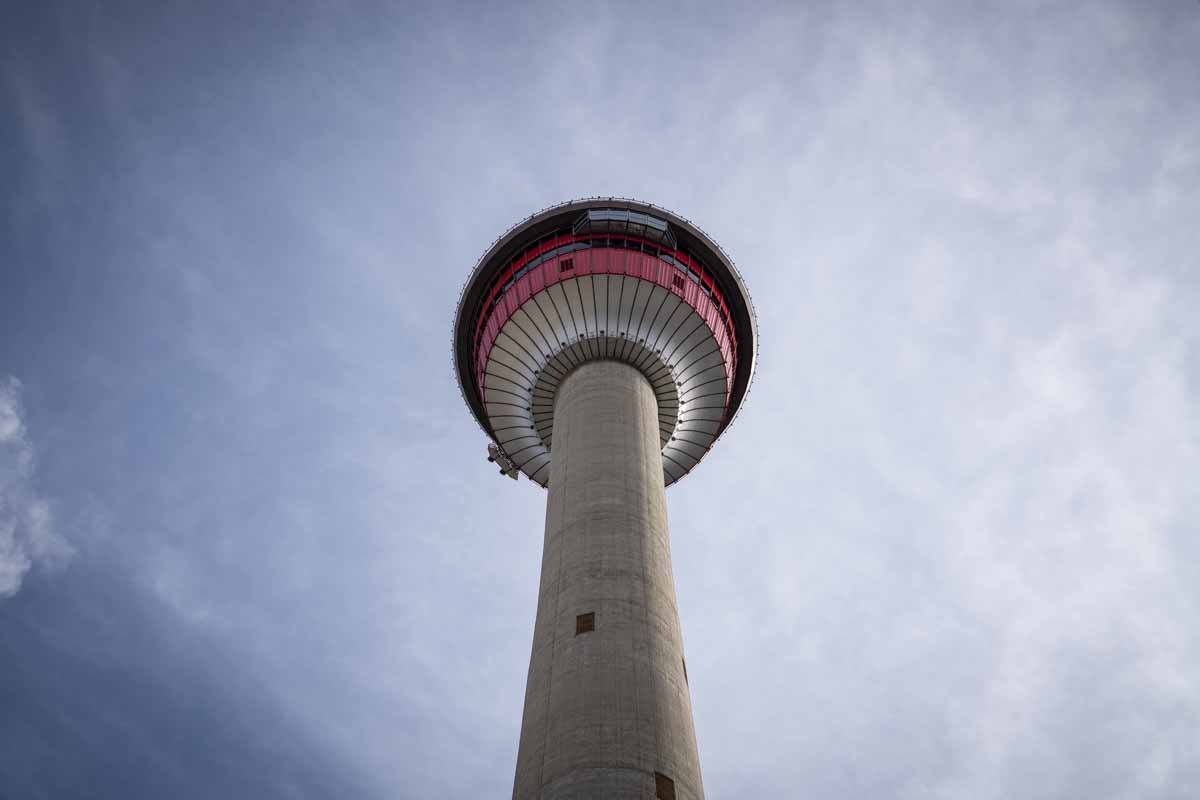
column 617, row 317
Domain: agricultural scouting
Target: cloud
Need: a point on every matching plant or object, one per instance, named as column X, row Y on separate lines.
column 27, row 535
column 949, row 548
column 1067, row 537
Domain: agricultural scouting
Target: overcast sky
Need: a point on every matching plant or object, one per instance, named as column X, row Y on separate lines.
column 249, row 543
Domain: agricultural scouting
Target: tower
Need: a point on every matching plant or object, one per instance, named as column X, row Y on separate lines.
column 603, row 346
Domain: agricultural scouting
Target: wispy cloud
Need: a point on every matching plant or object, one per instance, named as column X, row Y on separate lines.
column 27, row 534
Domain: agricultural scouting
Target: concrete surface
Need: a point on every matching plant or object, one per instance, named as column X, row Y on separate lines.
column 607, row 709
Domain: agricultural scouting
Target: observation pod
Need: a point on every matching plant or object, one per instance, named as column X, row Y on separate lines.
column 618, row 337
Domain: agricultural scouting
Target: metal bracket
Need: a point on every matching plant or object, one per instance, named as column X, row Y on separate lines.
column 497, row 455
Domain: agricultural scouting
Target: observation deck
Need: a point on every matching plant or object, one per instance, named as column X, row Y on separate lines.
column 604, row 279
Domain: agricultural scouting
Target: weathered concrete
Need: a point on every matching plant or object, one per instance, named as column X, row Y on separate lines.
column 606, row 710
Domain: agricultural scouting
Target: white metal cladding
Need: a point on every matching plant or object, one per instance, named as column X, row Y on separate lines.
column 605, row 316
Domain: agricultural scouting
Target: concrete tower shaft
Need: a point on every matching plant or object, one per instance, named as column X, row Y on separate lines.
column 607, row 708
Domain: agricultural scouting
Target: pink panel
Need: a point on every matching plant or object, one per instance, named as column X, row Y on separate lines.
column 650, row 267
column 604, row 260
column 616, row 262
column 483, row 357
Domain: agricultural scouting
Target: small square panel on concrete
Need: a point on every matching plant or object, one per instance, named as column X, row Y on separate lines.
column 664, row 787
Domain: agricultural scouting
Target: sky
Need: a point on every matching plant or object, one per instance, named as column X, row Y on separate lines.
column 249, row 542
